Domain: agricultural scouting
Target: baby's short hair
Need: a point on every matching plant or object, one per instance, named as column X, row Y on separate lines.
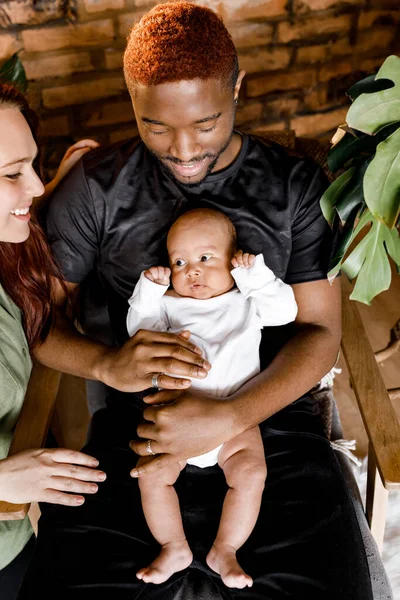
column 212, row 213
column 178, row 41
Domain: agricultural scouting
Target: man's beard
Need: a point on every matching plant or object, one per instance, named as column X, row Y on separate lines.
column 214, row 157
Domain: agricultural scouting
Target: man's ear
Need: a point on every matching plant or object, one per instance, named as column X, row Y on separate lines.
column 238, row 84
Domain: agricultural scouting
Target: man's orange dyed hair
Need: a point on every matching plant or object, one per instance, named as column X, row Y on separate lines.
column 178, row 41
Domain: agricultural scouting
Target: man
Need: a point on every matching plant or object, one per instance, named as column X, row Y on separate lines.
column 107, row 223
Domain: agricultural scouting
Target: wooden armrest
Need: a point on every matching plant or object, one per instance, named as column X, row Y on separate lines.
column 379, row 417
column 33, row 424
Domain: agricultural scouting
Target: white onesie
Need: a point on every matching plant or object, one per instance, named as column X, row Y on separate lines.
column 227, row 328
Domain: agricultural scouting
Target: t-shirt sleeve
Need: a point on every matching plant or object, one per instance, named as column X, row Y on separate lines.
column 72, row 226
column 311, row 235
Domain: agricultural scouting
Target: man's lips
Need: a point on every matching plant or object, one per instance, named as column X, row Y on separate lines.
column 188, row 170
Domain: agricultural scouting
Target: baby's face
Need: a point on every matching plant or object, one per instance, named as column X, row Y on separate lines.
column 200, row 253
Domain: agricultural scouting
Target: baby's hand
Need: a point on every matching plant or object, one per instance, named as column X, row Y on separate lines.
column 158, row 275
column 243, row 260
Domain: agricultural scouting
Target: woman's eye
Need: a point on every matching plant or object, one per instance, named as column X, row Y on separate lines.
column 157, row 132
column 13, row 176
column 205, row 257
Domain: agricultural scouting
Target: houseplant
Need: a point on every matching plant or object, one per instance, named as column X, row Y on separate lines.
column 365, row 197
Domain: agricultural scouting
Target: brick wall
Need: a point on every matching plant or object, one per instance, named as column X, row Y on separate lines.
column 300, row 57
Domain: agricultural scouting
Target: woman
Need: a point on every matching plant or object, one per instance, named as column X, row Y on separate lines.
column 26, row 314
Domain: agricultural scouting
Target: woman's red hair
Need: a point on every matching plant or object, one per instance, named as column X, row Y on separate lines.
column 26, row 268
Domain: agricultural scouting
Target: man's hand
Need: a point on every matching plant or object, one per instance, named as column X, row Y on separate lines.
column 159, row 275
column 243, row 260
column 189, row 425
column 131, row 367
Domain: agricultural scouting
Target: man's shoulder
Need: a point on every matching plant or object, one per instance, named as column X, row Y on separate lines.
column 111, row 159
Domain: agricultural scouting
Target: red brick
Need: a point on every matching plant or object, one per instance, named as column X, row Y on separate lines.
column 265, row 60
column 123, row 134
column 371, row 65
column 281, row 108
column 311, row 54
column 240, row 10
column 368, row 19
column 311, row 28
column 334, row 69
column 113, row 58
column 110, row 113
column 310, row 125
column 281, row 81
column 15, row 12
column 81, row 93
column 302, row 5
column 93, row 6
column 251, row 111
column 55, row 38
column 250, row 34
column 55, row 126
column 378, row 38
column 8, row 45
column 57, row 65
column 316, row 100
column 148, row 3
column 127, row 21
column 278, row 126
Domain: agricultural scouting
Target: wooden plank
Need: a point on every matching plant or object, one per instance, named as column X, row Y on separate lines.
column 33, row 425
column 377, row 499
column 379, row 417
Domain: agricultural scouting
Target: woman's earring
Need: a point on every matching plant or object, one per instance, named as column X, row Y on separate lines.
column 236, row 101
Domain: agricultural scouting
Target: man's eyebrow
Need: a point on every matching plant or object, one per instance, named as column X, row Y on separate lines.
column 205, row 120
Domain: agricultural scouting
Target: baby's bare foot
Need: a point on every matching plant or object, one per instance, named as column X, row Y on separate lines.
column 222, row 560
column 174, row 556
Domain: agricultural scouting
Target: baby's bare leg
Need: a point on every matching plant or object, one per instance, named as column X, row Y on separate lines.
column 243, row 462
column 161, row 509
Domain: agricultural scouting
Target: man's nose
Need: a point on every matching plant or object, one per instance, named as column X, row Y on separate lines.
column 185, row 147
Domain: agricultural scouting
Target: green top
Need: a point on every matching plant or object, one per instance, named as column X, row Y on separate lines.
column 15, row 370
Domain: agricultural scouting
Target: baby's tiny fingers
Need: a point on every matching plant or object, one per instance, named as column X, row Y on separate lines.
column 252, row 259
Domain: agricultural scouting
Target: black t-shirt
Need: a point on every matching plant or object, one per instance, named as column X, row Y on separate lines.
column 109, row 219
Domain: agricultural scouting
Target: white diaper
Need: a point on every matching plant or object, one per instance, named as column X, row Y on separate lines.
column 205, row 460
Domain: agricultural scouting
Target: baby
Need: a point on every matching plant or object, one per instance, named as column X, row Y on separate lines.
column 225, row 310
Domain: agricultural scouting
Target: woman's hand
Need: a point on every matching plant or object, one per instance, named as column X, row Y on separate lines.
column 57, row 476
column 245, row 260
column 71, row 157
column 181, row 425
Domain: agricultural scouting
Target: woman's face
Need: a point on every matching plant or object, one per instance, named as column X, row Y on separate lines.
column 19, row 183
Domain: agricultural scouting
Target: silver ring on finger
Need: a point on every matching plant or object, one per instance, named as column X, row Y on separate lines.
column 154, row 380
column 149, row 449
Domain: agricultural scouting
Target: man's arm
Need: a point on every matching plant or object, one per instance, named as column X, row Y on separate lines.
column 192, row 425
column 129, row 368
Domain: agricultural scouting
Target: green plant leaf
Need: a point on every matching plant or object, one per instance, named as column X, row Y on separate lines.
column 353, row 194
column 343, row 243
column 382, row 181
column 12, row 71
column 369, row 261
column 332, row 195
column 371, row 112
column 353, row 146
column 368, row 86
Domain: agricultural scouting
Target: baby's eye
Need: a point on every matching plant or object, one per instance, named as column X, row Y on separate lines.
column 179, row 262
column 205, row 257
